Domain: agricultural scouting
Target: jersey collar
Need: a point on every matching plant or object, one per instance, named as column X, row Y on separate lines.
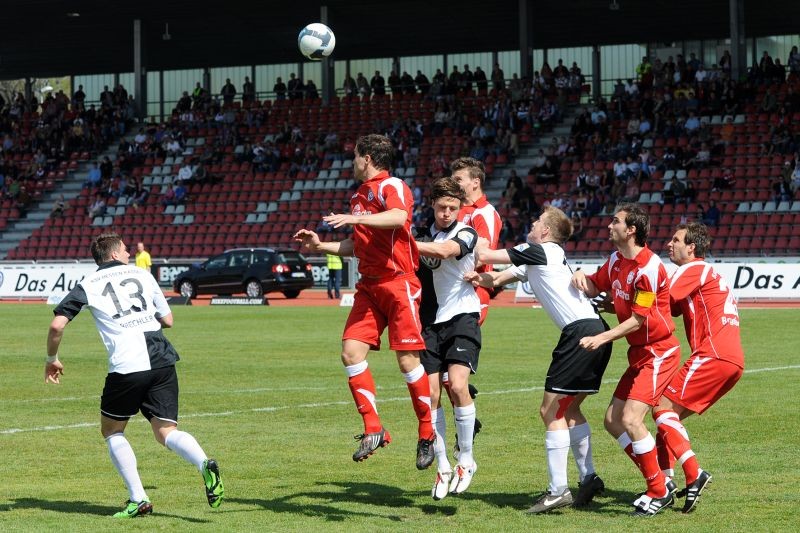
column 480, row 202
column 382, row 175
column 110, row 264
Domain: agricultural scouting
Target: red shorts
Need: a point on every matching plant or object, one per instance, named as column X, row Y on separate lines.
column 484, row 297
column 381, row 303
column 651, row 370
column 701, row 381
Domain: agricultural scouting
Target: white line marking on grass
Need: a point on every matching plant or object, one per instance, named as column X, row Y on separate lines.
column 272, row 409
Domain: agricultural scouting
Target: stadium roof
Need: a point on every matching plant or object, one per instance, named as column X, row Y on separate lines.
column 59, row 37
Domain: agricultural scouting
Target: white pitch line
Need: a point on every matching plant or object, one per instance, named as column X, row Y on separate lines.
column 272, row 409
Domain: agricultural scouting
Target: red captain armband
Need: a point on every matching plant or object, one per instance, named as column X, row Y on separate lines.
column 644, row 298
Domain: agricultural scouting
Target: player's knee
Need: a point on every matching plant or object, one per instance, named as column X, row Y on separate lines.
column 459, row 392
column 631, row 421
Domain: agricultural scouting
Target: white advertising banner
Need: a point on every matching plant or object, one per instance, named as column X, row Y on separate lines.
column 750, row 281
column 41, row 281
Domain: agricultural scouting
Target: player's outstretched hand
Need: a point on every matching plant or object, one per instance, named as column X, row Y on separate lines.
column 53, row 372
column 308, row 239
column 337, row 221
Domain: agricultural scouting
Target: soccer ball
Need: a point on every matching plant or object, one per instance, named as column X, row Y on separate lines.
column 316, row 41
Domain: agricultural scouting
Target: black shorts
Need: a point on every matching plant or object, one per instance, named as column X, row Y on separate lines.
column 573, row 369
column 457, row 341
column 153, row 392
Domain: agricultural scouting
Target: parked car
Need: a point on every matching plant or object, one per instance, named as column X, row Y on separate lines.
column 253, row 271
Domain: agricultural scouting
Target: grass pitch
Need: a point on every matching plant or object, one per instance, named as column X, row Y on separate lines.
column 263, row 391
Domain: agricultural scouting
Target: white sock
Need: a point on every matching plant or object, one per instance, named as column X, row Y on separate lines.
column 580, row 440
column 125, row 462
column 415, row 374
column 645, row 445
column 465, row 427
column 556, row 444
column 187, row 447
column 440, row 447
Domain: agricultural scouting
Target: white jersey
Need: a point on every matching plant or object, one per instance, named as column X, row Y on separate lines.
column 544, row 266
column 445, row 294
column 126, row 303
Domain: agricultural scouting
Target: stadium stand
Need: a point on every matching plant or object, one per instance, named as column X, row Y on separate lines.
column 271, row 167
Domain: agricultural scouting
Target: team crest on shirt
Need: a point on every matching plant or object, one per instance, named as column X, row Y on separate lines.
column 370, row 196
column 466, row 237
column 630, row 278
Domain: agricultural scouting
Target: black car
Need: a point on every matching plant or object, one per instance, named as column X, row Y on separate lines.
column 254, row 271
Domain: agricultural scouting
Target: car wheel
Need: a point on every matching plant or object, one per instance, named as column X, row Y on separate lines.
column 188, row 290
column 291, row 294
column 254, row 289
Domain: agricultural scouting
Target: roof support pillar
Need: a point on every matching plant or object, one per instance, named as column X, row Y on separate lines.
column 139, row 70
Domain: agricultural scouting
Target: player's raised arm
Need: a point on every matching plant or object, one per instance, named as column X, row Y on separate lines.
column 390, row 219
column 439, row 250
column 310, row 240
column 584, row 284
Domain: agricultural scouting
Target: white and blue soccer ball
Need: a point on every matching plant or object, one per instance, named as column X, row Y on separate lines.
column 316, row 41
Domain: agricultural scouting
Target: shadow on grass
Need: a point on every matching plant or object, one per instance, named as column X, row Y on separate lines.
column 75, row 507
column 329, row 502
column 613, row 502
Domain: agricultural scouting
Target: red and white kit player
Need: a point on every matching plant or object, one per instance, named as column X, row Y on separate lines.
column 637, row 281
column 704, row 298
column 477, row 213
column 387, row 295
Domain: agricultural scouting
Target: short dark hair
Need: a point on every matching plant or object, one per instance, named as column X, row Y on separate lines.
column 103, row 245
column 638, row 217
column 559, row 223
column 447, row 187
column 379, row 148
column 697, row 234
column 475, row 167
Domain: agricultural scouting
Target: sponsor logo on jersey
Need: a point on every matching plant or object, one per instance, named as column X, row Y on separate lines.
column 618, row 292
column 430, row 262
column 358, row 210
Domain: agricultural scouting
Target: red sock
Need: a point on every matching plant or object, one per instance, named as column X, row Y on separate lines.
column 362, row 387
column 421, row 400
column 666, row 461
column 677, row 440
column 648, row 465
column 645, row 450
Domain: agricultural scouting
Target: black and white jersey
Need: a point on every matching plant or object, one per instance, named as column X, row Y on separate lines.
column 445, row 294
column 126, row 303
column 544, row 266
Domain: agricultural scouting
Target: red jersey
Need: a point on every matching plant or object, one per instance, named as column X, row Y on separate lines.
column 709, row 311
column 640, row 286
column 384, row 252
column 484, row 218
